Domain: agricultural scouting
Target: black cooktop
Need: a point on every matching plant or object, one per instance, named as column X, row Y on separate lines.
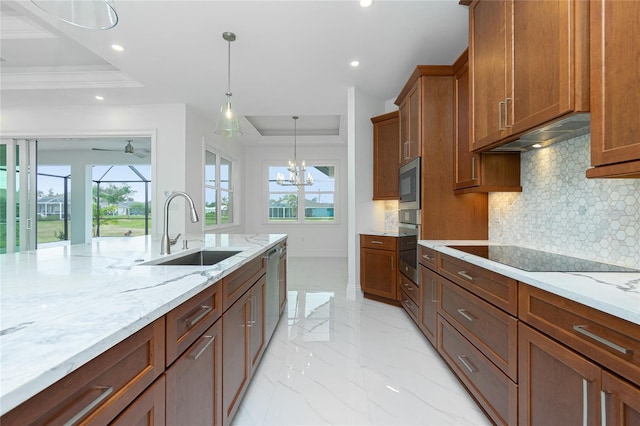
column 539, row 261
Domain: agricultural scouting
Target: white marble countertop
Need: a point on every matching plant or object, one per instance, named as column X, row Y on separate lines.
column 63, row 306
column 616, row 293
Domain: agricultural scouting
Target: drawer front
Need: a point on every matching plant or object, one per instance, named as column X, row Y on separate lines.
column 378, row 242
column 608, row 340
column 147, row 409
column 409, row 305
column 238, row 282
column 428, row 257
column 410, row 289
column 492, row 331
column 98, row 391
column 497, row 289
column 189, row 320
column 492, row 389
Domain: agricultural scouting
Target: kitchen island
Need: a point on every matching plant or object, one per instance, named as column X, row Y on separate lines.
column 64, row 306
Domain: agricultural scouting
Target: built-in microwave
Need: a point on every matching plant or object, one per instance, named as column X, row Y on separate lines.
column 409, row 185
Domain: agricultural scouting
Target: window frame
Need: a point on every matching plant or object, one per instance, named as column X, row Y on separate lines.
column 301, row 219
column 219, row 189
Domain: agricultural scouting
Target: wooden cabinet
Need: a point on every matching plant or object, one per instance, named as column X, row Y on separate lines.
column 386, row 135
column 410, row 109
column 256, row 322
column 378, row 266
column 478, row 172
column 194, row 382
column 621, row 403
column 429, row 305
column 529, row 66
column 615, row 60
column 282, row 278
column 148, row 409
column 100, row 390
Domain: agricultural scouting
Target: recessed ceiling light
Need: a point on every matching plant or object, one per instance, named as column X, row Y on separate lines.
column 355, row 64
column 100, row 98
column 117, row 47
column 366, row 3
column 537, row 145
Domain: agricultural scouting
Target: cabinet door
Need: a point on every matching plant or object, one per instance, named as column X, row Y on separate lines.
column 256, row 321
column 621, row 401
column 489, row 59
column 410, row 124
column 386, row 136
column 615, row 60
column 378, row 272
column 550, row 61
column 147, row 410
column 282, row 279
column 466, row 162
column 235, row 355
column 194, row 382
column 429, row 306
column 557, row 386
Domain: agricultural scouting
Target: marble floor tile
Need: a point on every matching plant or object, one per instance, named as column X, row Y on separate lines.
column 339, row 359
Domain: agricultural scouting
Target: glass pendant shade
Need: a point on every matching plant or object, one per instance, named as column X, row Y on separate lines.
column 228, row 124
column 89, row 14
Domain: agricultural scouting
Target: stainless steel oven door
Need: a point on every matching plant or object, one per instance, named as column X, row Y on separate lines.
column 408, row 250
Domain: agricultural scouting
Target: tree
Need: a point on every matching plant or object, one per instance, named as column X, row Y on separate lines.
column 113, row 194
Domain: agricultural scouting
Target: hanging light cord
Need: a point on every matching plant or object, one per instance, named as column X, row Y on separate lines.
column 229, row 68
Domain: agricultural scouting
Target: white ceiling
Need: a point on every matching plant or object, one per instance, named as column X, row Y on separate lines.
column 290, row 57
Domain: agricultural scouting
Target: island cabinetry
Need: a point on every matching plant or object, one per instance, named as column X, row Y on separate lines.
column 410, row 297
column 478, row 172
column 243, row 344
column 386, row 133
column 615, row 128
column 429, row 283
column 238, row 282
column 282, row 278
column 378, row 266
column 100, row 390
column 410, row 109
column 148, row 409
column 529, row 65
column 573, row 358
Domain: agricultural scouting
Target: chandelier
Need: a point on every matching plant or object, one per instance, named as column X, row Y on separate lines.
column 296, row 173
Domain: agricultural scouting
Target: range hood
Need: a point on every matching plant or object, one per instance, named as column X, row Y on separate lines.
column 567, row 128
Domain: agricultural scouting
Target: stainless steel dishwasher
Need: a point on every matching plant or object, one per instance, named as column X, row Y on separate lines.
column 272, row 302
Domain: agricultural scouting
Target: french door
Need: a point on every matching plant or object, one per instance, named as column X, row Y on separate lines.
column 17, row 195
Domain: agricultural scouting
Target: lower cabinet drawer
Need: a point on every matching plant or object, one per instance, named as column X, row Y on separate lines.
column 99, row 390
column 147, row 410
column 410, row 288
column 493, row 390
column 492, row 331
column 409, row 305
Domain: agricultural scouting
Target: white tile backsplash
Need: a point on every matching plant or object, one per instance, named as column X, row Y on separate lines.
column 561, row 211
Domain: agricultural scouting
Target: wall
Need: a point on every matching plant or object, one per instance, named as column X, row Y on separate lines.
column 561, row 211
column 326, row 240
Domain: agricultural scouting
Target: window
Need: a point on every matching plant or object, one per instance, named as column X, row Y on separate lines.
column 306, row 204
column 218, row 190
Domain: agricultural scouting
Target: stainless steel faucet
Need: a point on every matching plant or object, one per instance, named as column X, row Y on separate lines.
column 167, row 242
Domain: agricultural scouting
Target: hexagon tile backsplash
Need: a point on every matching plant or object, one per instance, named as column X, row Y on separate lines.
column 561, row 211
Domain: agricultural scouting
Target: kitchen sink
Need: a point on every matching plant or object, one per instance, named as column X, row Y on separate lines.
column 199, row 258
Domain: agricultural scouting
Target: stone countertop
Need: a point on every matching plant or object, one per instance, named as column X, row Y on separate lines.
column 616, row 293
column 63, row 306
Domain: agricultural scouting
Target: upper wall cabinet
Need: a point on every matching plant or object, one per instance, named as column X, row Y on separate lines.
column 529, row 65
column 386, row 134
column 409, row 103
column 615, row 105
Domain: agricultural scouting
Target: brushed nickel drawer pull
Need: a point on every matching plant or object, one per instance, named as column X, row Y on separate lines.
column 407, row 286
column 464, row 313
column 426, row 256
column 603, row 408
column 433, row 291
column 585, row 402
column 204, row 347
column 463, row 360
column 376, row 242
column 582, row 330
column 106, row 391
column 465, row 275
column 192, row 321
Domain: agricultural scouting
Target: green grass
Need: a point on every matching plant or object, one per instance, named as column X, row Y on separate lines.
column 109, row 227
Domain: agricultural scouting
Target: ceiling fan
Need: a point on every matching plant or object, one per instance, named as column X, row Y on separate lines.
column 128, row 149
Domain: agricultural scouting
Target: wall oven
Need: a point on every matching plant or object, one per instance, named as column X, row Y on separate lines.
column 409, row 234
column 409, row 185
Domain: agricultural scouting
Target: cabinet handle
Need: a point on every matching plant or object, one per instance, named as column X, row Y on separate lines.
column 465, row 275
column 506, row 112
column 500, row 104
column 106, row 391
column 433, row 291
column 463, row 360
column 408, row 287
column 205, row 309
column 376, row 242
column 582, row 330
column 473, row 168
column 603, row 408
column 204, row 347
column 464, row 313
column 585, row 402
column 426, row 256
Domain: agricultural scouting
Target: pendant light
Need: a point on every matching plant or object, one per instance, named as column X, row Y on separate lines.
column 228, row 124
column 89, row 14
column 296, row 173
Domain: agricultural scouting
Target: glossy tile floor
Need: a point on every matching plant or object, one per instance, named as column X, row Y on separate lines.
column 339, row 359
